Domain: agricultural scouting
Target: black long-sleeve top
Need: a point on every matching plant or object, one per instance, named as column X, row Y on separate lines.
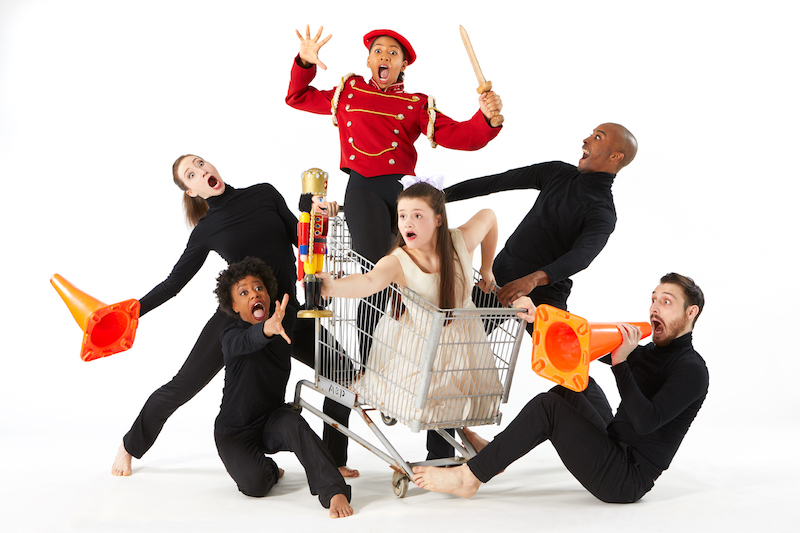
column 567, row 227
column 662, row 388
column 256, row 373
column 254, row 221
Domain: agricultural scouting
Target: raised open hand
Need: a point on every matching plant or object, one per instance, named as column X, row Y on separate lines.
column 274, row 325
column 309, row 47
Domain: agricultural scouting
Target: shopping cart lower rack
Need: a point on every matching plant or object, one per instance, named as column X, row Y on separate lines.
column 425, row 367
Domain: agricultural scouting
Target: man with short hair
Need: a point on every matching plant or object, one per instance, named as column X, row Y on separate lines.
column 662, row 386
column 568, row 225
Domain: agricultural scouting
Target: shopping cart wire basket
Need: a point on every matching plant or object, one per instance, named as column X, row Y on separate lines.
column 424, row 367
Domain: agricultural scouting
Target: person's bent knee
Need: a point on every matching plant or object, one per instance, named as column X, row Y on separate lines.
column 256, row 489
column 623, row 494
column 292, row 424
column 618, row 499
column 258, row 486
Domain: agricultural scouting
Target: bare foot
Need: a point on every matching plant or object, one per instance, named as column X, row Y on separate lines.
column 348, row 472
column 340, row 507
column 122, row 462
column 281, row 472
column 459, row 480
column 476, row 440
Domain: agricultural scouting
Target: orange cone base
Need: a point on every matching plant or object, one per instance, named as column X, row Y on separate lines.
column 564, row 344
column 110, row 329
column 561, row 347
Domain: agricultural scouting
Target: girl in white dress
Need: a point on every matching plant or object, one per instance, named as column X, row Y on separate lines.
column 435, row 263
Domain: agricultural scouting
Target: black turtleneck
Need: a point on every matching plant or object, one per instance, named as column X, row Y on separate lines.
column 257, row 370
column 566, row 228
column 240, row 222
column 662, row 388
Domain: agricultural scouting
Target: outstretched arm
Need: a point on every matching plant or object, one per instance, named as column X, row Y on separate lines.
column 482, row 229
column 301, row 95
column 241, row 338
column 530, row 177
column 184, row 270
column 309, row 48
column 386, row 271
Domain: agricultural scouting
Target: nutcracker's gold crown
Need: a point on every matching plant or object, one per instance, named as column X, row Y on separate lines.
column 315, row 181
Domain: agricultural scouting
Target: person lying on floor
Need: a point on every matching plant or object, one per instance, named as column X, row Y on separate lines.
column 617, row 458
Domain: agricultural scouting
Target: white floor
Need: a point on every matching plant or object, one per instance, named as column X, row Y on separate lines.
column 55, row 477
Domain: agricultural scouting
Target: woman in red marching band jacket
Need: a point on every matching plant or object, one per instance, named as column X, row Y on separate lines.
column 378, row 122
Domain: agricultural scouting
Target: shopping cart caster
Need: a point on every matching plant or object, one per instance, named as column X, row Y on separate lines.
column 388, row 420
column 399, row 484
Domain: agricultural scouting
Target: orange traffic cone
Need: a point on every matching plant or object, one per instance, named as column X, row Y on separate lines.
column 564, row 344
column 107, row 329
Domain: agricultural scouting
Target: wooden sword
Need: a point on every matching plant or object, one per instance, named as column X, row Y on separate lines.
column 483, row 85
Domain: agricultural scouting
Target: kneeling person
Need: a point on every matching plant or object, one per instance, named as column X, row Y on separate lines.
column 254, row 419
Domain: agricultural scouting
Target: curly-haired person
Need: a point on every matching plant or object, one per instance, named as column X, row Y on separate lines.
column 254, row 419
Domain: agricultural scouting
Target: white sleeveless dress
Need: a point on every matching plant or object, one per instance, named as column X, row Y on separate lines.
column 464, row 385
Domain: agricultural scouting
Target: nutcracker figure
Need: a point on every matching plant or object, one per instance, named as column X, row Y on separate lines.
column 312, row 233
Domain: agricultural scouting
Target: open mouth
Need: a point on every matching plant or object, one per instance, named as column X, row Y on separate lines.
column 585, row 153
column 411, row 236
column 213, row 182
column 658, row 326
column 383, row 73
column 258, row 311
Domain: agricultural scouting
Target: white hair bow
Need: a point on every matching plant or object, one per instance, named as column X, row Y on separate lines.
column 436, row 181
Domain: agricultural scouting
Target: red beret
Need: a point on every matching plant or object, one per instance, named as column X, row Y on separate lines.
column 411, row 56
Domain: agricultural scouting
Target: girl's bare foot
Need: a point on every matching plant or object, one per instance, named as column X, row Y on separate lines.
column 122, row 462
column 340, row 507
column 348, row 472
column 459, row 480
column 476, row 440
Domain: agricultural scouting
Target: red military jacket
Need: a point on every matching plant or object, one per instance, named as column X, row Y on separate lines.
column 377, row 129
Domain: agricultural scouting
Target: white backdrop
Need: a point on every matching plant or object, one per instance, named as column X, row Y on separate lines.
column 98, row 98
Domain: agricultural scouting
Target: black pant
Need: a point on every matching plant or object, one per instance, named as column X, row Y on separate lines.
column 576, row 427
column 303, row 350
column 371, row 209
column 285, row 430
column 203, row 363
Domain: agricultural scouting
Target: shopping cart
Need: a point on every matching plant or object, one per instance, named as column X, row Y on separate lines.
column 427, row 368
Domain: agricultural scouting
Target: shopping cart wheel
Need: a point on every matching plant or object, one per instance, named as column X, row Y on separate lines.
column 388, row 420
column 399, row 484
